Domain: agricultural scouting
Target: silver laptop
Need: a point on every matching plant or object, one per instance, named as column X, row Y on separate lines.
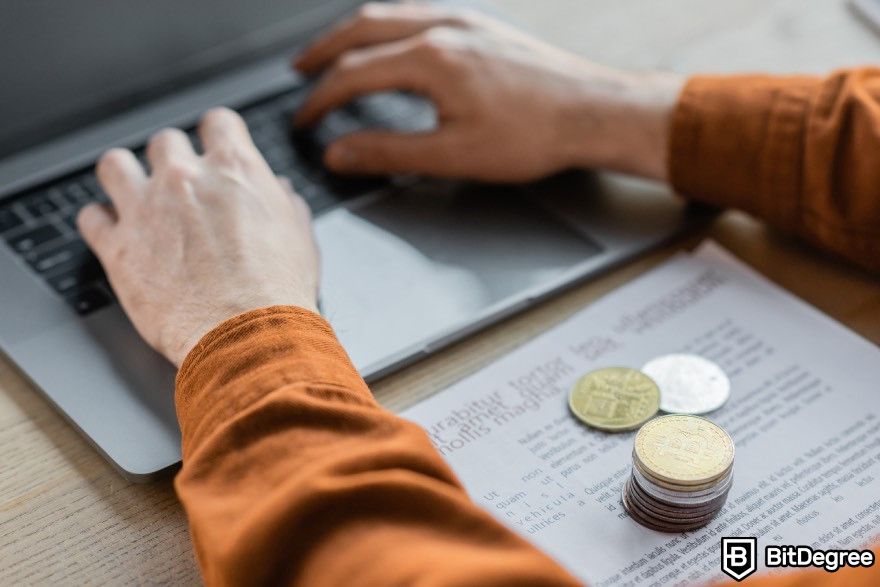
column 408, row 266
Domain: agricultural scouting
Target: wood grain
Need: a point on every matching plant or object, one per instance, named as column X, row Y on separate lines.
column 67, row 518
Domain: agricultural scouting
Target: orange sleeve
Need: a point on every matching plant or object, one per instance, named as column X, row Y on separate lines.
column 801, row 152
column 293, row 474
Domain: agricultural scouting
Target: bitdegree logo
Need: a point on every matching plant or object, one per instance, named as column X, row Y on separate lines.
column 739, row 557
column 804, row 556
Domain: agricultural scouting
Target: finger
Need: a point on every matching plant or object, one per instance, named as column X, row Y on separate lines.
column 170, row 146
column 122, row 177
column 96, row 222
column 393, row 66
column 390, row 153
column 373, row 24
column 224, row 130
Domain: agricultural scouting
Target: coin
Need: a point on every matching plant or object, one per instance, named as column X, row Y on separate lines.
column 679, row 502
column 653, row 524
column 689, row 384
column 694, row 490
column 681, row 497
column 614, row 399
column 670, row 516
column 683, row 449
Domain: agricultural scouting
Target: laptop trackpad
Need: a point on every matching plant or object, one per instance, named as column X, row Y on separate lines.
column 403, row 270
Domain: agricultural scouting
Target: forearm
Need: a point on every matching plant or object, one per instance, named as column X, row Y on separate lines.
column 800, row 152
column 620, row 121
column 293, row 474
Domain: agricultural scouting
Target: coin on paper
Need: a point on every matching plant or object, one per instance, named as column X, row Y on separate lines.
column 615, row 399
column 689, row 384
column 683, row 450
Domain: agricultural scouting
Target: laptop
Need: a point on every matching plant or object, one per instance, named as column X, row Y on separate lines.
column 408, row 266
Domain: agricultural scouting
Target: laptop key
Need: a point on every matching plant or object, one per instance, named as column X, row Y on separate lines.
column 40, row 204
column 82, row 269
column 9, row 220
column 88, row 299
column 28, row 241
column 76, row 194
column 70, row 219
column 90, row 182
column 65, row 283
column 50, row 260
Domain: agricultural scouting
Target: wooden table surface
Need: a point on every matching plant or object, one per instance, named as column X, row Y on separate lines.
column 67, row 518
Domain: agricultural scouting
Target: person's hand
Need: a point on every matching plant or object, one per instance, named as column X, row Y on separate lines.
column 203, row 238
column 510, row 107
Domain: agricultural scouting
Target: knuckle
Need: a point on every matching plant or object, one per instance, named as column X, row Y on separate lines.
column 113, row 255
column 437, row 45
column 177, row 174
column 226, row 154
column 347, row 63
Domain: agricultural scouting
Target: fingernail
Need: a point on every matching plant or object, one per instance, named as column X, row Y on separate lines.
column 340, row 156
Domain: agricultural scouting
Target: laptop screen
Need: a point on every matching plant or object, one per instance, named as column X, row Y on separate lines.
column 66, row 63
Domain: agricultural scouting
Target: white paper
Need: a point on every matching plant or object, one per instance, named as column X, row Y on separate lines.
column 803, row 414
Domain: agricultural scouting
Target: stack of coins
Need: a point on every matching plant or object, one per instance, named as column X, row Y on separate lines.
column 682, row 472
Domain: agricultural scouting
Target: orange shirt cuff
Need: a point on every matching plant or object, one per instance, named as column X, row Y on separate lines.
column 736, row 141
column 259, row 346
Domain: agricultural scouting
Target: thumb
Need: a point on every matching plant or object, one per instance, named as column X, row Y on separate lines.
column 95, row 223
column 389, row 153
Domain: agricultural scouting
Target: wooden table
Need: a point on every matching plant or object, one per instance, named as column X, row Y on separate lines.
column 67, row 517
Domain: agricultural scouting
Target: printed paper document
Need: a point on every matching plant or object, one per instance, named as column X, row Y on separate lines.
column 803, row 413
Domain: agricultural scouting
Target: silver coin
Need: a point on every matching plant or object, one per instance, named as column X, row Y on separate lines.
column 694, row 499
column 661, row 508
column 657, row 525
column 667, row 517
column 689, row 384
column 668, row 508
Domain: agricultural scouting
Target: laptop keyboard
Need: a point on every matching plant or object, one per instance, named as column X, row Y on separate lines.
column 40, row 224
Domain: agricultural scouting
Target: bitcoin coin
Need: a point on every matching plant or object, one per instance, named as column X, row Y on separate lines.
column 684, row 495
column 614, row 399
column 689, row 384
column 683, row 450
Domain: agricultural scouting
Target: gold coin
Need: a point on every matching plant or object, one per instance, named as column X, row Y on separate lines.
column 694, row 489
column 615, row 399
column 684, row 450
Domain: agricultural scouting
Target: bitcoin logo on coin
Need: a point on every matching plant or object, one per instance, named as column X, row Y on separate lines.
column 684, row 450
column 615, row 399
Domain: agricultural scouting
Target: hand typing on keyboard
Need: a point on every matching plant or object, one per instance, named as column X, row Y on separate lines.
column 203, row 237
column 510, row 107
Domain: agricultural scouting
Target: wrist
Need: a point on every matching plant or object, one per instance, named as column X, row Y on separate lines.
column 620, row 121
column 179, row 343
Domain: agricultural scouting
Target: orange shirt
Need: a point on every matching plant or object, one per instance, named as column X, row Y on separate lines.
column 293, row 474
